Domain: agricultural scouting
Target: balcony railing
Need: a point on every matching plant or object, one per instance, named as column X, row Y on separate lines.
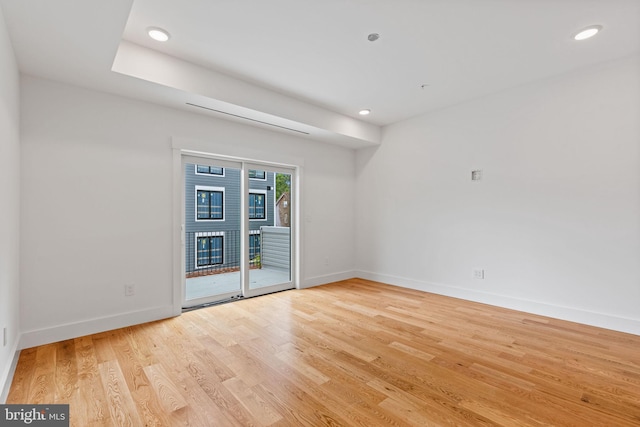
column 216, row 252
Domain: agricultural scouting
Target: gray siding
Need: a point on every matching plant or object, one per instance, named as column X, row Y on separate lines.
column 276, row 247
column 230, row 224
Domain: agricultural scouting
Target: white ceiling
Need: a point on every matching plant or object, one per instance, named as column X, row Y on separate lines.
column 314, row 55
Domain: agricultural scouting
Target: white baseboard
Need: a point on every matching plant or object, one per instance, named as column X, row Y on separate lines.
column 602, row 320
column 77, row 329
column 92, row 326
column 329, row 278
column 7, row 375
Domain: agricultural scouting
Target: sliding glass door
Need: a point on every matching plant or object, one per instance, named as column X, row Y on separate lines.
column 237, row 239
column 212, row 230
column 269, row 224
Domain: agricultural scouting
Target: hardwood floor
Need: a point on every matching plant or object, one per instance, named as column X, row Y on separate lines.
column 350, row 353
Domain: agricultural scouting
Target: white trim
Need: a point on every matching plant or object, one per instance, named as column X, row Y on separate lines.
column 207, row 234
column 244, row 228
column 601, row 320
column 178, row 231
column 224, row 203
column 7, row 376
column 234, row 153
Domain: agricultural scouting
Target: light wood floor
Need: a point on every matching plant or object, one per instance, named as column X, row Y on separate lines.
column 351, row 353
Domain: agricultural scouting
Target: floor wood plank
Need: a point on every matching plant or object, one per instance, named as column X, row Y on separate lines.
column 352, row 353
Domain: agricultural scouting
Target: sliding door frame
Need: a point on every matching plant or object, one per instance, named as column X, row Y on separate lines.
column 245, row 272
column 191, row 149
column 227, row 165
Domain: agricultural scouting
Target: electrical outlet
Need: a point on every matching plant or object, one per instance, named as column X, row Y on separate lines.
column 129, row 290
column 478, row 273
column 4, row 336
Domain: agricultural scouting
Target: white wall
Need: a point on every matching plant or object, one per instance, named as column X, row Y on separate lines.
column 9, row 204
column 97, row 206
column 555, row 222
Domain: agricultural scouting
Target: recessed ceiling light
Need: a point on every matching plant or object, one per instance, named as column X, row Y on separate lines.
column 364, row 112
column 588, row 32
column 158, row 34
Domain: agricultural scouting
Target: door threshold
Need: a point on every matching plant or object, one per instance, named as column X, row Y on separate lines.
column 209, row 304
column 228, row 300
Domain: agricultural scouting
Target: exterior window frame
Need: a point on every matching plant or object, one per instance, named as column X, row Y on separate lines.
column 258, row 179
column 208, row 234
column 199, row 188
column 258, row 251
column 262, row 193
column 217, row 175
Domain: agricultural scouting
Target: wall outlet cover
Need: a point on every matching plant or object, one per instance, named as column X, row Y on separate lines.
column 478, row 273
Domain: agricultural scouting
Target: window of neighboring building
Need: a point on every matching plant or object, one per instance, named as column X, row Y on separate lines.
column 255, row 174
column 209, row 203
column 257, row 208
column 209, row 250
column 254, row 245
column 209, row 170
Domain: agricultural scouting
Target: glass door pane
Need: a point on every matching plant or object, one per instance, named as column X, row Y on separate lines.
column 237, row 222
column 269, row 241
column 212, row 250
